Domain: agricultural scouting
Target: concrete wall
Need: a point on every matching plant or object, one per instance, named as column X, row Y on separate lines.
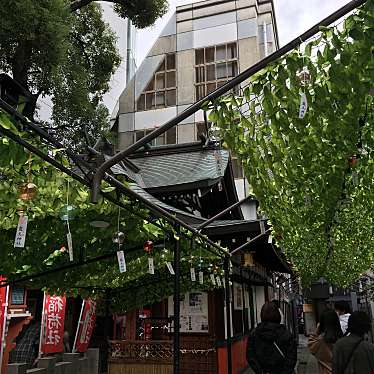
column 87, row 363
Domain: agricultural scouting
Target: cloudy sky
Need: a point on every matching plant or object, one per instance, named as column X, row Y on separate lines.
column 293, row 18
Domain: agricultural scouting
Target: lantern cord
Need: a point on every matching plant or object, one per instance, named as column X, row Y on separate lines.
column 67, row 206
column 29, row 169
column 118, row 224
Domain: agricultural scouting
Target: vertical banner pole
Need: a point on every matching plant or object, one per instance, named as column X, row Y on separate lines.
column 2, row 340
column 228, row 314
column 42, row 328
column 176, row 336
column 78, row 327
column 243, row 300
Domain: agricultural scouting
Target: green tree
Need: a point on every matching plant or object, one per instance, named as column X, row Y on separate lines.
column 66, row 50
column 313, row 176
column 142, row 13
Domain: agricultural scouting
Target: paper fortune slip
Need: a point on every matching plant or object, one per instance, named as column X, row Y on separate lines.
column 70, row 246
column 193, row 275
column 201, row 277
column 121, row 261
column 303, row 106
column 170, row 268
column 19, row 241
column 151, row 266
column 218, row 280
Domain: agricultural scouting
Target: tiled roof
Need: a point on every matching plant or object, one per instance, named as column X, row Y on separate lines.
column 177, row 169
column 184, row 216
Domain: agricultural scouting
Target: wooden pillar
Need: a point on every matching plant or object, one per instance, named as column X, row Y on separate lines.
column 131, row 318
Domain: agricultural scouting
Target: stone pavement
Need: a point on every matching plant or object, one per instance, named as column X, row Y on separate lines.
column 306, row 363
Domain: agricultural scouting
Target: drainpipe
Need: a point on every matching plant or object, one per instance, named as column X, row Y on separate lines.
column 128, row 51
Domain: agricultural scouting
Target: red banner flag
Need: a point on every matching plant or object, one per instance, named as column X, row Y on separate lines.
column 86, row 326
column 3, row 313
column 53, row 324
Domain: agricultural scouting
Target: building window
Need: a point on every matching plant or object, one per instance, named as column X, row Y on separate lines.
column 17, row 296
column 161, row 91
column 168, row 137
column 214, row 66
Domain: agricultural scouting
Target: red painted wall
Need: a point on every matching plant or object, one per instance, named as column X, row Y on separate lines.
column 238, row 354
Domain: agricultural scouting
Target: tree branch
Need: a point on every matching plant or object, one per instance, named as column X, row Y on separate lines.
column 83, row 50
column 78, row 4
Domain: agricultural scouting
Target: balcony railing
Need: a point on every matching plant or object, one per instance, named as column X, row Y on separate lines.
column 150, row 351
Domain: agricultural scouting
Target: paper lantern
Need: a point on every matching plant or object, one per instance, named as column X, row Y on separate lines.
column 27, row 191
column 148, row 246
column 353, row 161
column 248, row 260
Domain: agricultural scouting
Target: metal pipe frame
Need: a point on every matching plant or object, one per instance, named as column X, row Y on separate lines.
column 72, row 266
column 220, row 214
column 176, row 334
column 42, row 133
column 127, row 191
column 86, row 262
column 168, row 277
column 111, row 180
column 11, row 135
column 164, row 213
column 226, row 267
column 245, row 245
column 100, row 172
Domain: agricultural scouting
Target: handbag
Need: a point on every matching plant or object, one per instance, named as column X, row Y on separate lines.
column 321, row 351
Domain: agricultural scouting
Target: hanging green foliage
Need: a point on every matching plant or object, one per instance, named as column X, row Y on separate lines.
column 46, row 245
column 313, row 172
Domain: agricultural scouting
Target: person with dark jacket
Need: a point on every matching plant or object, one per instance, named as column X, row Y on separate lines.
column 352, row 354
column 271, row 348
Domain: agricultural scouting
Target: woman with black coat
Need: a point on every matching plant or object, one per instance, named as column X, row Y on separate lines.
column 271, row 348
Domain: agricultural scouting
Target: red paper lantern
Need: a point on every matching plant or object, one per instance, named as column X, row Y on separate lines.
column 148, row 246
column 353, row 161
